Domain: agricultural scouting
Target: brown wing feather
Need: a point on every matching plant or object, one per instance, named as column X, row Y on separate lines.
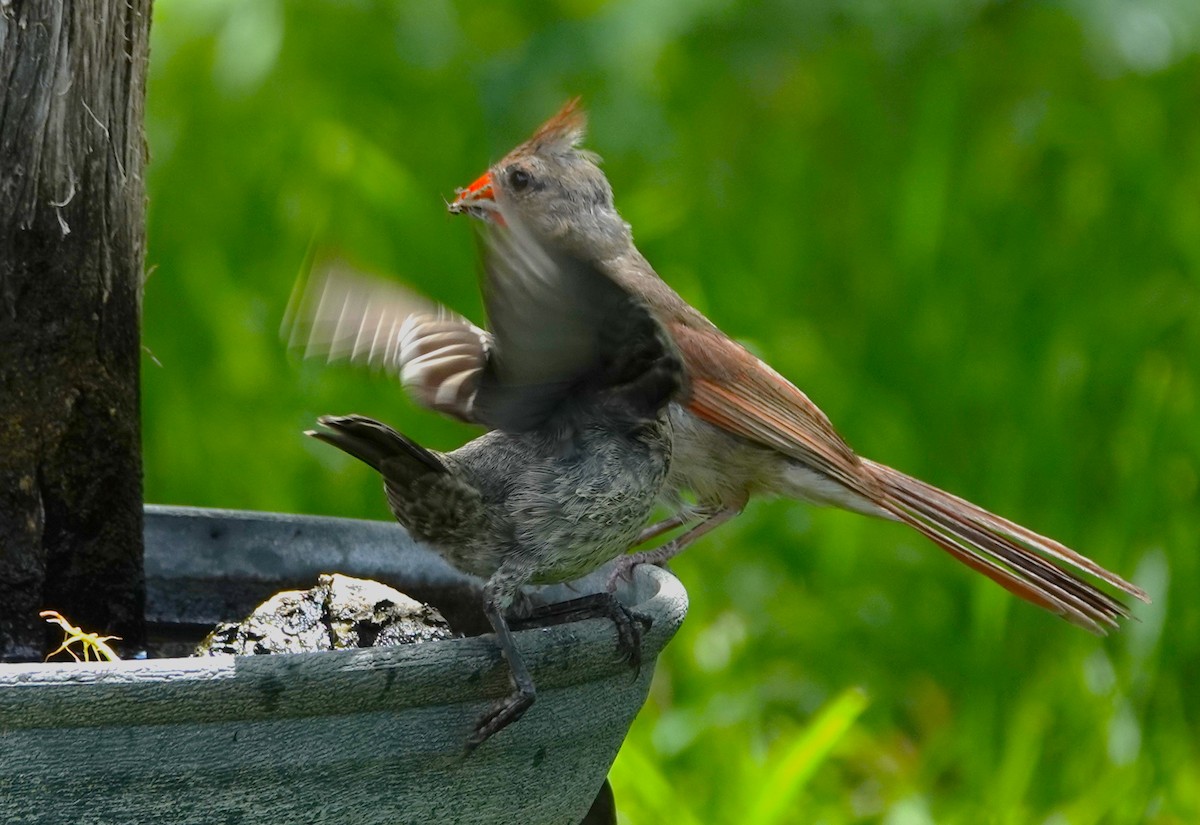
column 740, row 394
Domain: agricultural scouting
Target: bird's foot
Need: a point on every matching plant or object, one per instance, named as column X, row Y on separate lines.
column 630, row 624
column 711, row 519
column 499, row 716
column 624, row 566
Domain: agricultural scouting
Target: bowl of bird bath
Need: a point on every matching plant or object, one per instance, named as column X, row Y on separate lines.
column 366, row 735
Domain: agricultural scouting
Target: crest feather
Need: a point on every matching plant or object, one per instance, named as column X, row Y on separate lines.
column 564, row 131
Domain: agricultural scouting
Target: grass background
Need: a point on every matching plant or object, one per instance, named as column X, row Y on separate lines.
column 969, row 229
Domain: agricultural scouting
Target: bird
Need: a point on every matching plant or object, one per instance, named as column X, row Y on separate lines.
column 575, row 390
column 743, row 429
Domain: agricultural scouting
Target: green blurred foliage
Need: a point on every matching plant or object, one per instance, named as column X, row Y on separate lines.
column 970, row 230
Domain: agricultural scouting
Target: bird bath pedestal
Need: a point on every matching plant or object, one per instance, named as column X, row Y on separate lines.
column 372, row 735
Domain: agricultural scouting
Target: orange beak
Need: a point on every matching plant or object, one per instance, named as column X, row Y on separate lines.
column 477, row 200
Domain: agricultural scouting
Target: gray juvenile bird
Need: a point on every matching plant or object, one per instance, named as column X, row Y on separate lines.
column 576, row 388
column 743, row 429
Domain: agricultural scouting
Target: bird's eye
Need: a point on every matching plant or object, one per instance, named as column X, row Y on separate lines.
column 519, row 179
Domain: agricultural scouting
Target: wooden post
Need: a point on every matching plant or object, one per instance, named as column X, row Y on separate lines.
column 72, row 240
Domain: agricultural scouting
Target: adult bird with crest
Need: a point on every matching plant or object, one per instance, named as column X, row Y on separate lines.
column 743, row 429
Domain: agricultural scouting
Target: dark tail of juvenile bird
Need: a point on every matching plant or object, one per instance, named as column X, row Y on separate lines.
column 374, row 443
column 1020, row 560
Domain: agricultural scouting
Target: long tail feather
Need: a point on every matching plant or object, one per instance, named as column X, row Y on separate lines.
column 1013, row 556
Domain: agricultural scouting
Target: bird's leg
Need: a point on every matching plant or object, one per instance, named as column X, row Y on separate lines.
column 665, row 526
column 686, row 513
column 630, row 624
column 509, row 709
column 625, row 564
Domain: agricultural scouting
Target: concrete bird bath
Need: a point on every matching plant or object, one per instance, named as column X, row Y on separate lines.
column 362, row 736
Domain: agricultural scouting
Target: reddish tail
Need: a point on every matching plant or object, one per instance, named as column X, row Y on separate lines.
column 1018, row 559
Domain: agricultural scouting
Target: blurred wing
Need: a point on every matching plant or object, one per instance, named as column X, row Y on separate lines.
column 342, row 314
column 562, row 329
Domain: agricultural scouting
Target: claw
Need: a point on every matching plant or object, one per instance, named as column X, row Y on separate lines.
column 499, row 716
column 597, row 606
column 622, row 569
